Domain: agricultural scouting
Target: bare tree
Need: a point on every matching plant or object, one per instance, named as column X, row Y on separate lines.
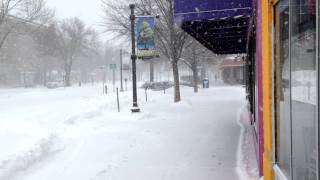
column 192, row 58
column 46, row 42
column 74, row 39
column 14, row 14
column 68, row 40
column 197, row 57
column 170, row 38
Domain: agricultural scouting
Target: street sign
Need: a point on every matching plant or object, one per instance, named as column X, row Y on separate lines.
column 113, row 66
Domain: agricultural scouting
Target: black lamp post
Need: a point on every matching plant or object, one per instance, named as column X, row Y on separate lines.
column 135, row 107
column 121, row 82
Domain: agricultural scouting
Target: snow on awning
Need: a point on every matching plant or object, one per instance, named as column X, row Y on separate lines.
column 220, row 25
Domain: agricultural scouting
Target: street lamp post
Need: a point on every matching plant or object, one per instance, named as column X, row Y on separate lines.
column 135, row 107
column 121, row 82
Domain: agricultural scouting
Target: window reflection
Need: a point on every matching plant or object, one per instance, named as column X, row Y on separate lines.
column 303, row 87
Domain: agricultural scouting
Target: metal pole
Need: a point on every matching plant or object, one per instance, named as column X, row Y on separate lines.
column 121, row 82
column 114, row 78
column 151, row 71
column 146, row 94
column 118, row 100
column 103, row 87
column 135, row 107
column 126, row 81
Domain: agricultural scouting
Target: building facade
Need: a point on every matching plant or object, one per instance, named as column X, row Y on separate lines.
column 290, row 79
column 281, row 69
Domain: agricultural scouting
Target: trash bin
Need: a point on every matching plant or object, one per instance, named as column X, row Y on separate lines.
column 205, row 83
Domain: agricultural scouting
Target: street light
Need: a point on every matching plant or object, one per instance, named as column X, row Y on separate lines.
column 135, row 107
column 122, row 52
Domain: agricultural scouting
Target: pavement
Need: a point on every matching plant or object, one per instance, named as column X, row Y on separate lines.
column 197, row 139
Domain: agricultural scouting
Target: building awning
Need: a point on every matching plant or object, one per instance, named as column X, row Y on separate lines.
column 221, row 26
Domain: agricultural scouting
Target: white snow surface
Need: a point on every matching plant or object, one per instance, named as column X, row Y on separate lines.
column 77, row 133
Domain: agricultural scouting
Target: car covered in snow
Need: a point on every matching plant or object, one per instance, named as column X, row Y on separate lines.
column 54, row 84
column 157, row 86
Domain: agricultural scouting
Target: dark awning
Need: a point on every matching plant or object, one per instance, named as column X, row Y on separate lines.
column 220, row 25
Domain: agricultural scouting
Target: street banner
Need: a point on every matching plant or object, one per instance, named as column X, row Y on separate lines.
column 145, row 26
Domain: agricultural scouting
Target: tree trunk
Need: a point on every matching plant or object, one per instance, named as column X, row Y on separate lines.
column 44, row 75
column 68, row 74
column 203, row 71
column 195, row 76
column 68, row 84
column 151, row 71
column 24, row 79
column 175, row 69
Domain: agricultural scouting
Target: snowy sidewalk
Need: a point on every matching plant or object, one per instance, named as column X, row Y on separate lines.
column 77, row 133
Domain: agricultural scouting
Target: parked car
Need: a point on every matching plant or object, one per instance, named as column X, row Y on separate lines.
column 157, row 86
column 54, row 84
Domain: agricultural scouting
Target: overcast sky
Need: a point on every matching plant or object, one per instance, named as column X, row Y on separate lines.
column 88, row 10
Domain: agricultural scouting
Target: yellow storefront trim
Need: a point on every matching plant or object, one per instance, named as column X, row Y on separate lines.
column 267, row 20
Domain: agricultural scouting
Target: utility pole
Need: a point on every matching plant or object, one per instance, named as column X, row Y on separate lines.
column 121, row 82
column 114, row 78
column 135, row 107
column 151, row 70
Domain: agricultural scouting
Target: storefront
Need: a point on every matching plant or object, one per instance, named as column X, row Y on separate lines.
column 295, row 85
column 232, row 71
column 282, row 73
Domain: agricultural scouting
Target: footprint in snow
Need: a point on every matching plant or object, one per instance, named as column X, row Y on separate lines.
column 147, row 116
column 102, row 172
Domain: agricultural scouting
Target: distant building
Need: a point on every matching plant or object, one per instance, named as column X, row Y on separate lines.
column 232, row 71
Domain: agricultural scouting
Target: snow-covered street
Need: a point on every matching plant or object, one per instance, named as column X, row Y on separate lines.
column 77, row 133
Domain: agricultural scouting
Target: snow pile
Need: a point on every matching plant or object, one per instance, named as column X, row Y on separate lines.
column 19, row 163
column 247, row 155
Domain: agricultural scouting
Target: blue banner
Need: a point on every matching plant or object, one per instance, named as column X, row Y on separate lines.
column 145, row 35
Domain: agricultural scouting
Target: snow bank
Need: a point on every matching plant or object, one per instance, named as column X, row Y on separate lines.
column 246, row 154
column 18, row 163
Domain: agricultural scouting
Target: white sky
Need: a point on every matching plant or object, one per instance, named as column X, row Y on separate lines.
column 90, row 11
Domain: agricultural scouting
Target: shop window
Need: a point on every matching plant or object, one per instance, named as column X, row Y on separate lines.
column 296, row 78
column 303, row 89
column 282, row 87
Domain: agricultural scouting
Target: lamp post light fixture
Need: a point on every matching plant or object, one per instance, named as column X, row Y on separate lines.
column 135, row 107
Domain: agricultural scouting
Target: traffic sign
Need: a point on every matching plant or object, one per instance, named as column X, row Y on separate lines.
column 113, row 66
